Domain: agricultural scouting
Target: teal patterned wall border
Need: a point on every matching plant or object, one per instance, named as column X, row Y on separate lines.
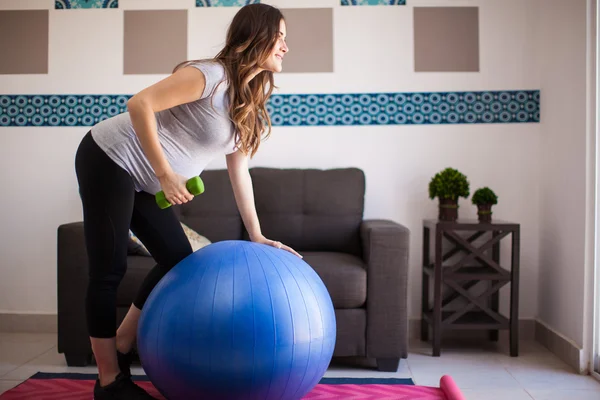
column 487, row 107
column 373, row 2
column 68, row 4
column 224, row 3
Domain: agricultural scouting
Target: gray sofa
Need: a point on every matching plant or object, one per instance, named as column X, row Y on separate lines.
column 363, row 263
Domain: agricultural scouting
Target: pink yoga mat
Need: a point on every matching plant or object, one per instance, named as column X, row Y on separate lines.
column 80, row 389
column 451, row 391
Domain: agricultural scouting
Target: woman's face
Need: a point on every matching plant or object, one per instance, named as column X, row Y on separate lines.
column 275, row 60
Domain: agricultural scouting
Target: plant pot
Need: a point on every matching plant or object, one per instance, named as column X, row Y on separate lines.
column 448, row 210
column 484, row 212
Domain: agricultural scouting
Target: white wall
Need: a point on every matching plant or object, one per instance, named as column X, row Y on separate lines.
column 373, row 52
column 590, row 335
column 562, row 208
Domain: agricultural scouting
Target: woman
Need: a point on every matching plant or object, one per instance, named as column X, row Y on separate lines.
column 171, row 131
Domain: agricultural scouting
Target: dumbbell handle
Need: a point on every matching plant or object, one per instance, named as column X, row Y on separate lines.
column 194, row 185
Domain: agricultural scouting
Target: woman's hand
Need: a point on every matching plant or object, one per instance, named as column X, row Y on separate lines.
column 279, row 245
column 173, row 185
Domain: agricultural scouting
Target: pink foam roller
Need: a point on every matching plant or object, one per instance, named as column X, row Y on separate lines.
column 451, row 391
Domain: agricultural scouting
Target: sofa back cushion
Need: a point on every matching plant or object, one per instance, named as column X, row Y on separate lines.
column 311, row 209
column 214, row 213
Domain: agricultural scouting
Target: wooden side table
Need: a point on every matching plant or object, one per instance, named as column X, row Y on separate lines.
column 481, row 311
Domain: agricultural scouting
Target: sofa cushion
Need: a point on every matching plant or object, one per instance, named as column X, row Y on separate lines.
column 214, row 213
column 311, row 209
column 344, row 275
column 135, row 247
column 196, row 240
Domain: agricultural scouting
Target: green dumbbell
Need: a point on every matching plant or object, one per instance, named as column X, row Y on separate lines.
column 195, row 186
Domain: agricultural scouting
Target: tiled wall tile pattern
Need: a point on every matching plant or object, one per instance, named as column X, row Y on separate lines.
column 68, row 4
column 151, row 32
column 24, row 42
column 312, row 49
column 446, row 39
column 301, row 109
column 405, row 108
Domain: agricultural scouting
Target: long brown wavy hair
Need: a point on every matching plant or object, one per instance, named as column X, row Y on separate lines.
column 251, row 36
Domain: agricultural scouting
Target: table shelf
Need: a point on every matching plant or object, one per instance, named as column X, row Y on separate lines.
column 474, row 272
column 472, row 320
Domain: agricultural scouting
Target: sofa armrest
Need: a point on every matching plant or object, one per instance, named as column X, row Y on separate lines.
column 72, row 282
column 385, row 252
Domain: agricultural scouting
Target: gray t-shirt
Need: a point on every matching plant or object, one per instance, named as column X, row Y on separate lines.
column 191, row 134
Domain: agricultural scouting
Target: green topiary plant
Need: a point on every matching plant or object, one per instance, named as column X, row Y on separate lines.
column 448, row 185
column 484, row 195
column 484, row 198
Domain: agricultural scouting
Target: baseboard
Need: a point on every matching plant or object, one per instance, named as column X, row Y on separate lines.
column 28, row 323
column 561, row 346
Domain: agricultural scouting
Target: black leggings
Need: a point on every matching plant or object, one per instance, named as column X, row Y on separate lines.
column 111, row 207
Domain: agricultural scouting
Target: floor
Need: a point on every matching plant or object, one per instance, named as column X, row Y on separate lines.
column 482, row 370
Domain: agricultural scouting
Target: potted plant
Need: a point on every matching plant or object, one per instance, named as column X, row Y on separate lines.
column 448, row 185
column 484, row 198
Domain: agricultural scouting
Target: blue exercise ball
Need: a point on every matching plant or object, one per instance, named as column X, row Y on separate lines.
column 237, row 320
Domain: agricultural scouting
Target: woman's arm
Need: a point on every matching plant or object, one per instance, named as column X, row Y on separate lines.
column 241, row 181
column 239, row 175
